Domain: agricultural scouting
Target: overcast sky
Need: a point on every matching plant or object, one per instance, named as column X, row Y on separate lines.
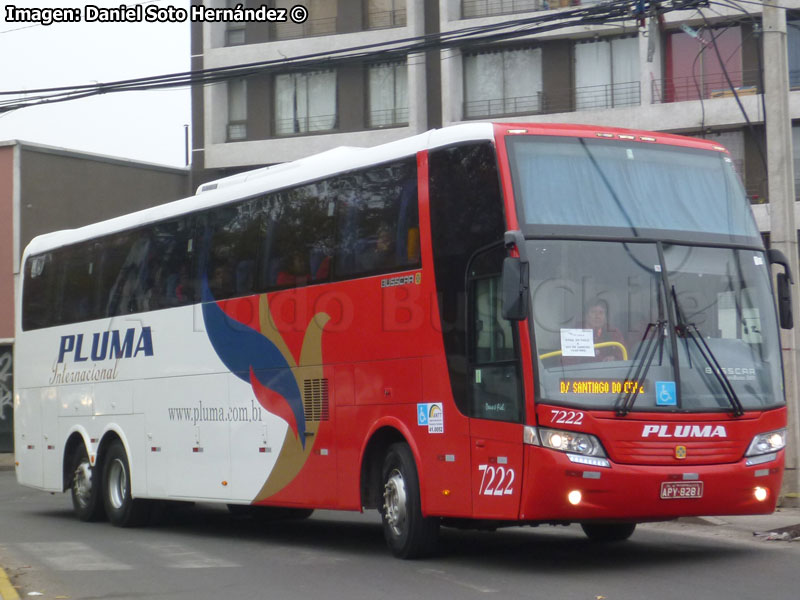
column 147, row 126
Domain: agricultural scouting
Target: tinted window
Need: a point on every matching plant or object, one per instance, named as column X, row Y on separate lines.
column 378, row 223
column 466, row 214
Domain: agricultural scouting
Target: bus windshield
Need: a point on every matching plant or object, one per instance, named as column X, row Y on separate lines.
column 629, row 188
column 688, row 328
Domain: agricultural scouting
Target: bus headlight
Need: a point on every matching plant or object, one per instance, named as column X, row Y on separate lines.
column 564, row 441
column 767, row 443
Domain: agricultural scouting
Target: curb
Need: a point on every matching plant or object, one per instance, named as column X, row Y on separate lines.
column 7, row 591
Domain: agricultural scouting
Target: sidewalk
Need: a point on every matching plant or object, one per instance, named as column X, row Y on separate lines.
column 783, row 524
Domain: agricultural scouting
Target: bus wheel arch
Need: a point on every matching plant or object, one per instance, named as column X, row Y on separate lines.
column 83, row 480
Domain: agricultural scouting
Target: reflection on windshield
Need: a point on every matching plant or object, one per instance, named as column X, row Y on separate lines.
column 629, row 186
column 609, row 336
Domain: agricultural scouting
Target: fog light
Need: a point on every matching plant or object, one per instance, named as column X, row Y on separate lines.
column 574, row 497
column 761, row 494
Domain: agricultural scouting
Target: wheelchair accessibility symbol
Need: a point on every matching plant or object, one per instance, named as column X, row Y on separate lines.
column 422, row 414
column 666, row 394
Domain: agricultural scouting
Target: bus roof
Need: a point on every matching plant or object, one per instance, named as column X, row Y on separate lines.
column 338, row 160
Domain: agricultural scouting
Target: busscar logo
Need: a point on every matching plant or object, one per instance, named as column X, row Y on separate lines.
column 684, row 431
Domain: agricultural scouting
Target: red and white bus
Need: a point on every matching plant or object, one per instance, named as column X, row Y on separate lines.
column 483, row 325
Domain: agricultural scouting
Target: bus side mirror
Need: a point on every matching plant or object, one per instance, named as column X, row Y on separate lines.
column 785, row 301
column 515, row 289
column 784, row 292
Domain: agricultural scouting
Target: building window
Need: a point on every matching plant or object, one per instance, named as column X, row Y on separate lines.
column 503, row 83
column 607, row 73
column 305, row 102
column 321, row 19
column 234, row 31
column 388, row 94
column 237, row 110
column 793, row 44
column 382, row 14
column 693, row 70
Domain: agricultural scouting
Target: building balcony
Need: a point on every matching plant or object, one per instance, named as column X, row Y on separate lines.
column 386, row 19
column 471, row 9
column 310, row 28
column 706, row 86
column 594, row 97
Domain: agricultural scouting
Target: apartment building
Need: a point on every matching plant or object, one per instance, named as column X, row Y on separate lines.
column 675, row 73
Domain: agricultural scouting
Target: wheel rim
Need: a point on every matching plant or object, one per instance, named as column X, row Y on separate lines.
column 82, row 483
column 117, row 483
column 395, row 502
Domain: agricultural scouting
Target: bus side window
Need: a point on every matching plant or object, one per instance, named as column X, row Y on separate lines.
column 40, row 290
column 378, row 221
column 80, row 280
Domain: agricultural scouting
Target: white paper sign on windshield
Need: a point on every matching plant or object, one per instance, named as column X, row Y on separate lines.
column 577, row 342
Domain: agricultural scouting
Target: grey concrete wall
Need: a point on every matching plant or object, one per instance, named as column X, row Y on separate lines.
column 61, row 190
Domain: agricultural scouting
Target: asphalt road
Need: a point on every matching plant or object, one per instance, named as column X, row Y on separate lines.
column 202, row 553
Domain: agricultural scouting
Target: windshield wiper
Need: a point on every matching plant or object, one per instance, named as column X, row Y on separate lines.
column 639, row 368
column 691, row 332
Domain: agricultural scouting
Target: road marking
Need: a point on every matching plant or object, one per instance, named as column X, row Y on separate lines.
column 177, row 556
column 72, row 556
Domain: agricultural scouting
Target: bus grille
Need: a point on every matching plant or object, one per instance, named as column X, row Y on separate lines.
column 661, row 452
column 315, row 400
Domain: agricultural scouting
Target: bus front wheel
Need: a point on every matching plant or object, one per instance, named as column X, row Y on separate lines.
column 122, row 509
column 408, row 534
column 608, row 532
column 85, row 489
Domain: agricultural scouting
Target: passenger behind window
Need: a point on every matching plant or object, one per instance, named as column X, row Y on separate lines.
column 295, row 270
column 382, row 255
column 221, row 282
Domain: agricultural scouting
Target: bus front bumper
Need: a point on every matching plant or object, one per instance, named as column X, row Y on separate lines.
column 557, row 489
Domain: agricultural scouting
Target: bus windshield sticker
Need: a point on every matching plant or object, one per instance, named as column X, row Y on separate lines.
column 432, row 415
column 666, row 394
column 577, row 342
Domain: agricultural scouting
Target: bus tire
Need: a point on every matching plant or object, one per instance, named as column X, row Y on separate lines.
column 408, row 534
column 608, row 532
column 122, row 509
column 85, row 488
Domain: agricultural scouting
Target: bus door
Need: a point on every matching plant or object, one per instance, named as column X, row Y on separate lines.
column 495, row 394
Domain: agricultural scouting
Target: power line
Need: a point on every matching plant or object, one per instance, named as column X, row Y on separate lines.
column 605, row 13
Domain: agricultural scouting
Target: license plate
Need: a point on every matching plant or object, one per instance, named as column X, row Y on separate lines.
column 671, row 490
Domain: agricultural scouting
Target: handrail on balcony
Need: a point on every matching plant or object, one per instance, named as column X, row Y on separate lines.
column 385, row 19
column 594, row 97
column 487, row 8
column 310, row 28
column 705, row 86
column 305, row 124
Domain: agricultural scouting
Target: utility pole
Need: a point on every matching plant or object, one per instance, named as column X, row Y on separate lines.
column 783, row 230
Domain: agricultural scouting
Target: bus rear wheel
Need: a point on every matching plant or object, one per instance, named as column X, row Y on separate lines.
column 408, row 534
column 85, row 489
column 122, row 509
column 608, row 532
